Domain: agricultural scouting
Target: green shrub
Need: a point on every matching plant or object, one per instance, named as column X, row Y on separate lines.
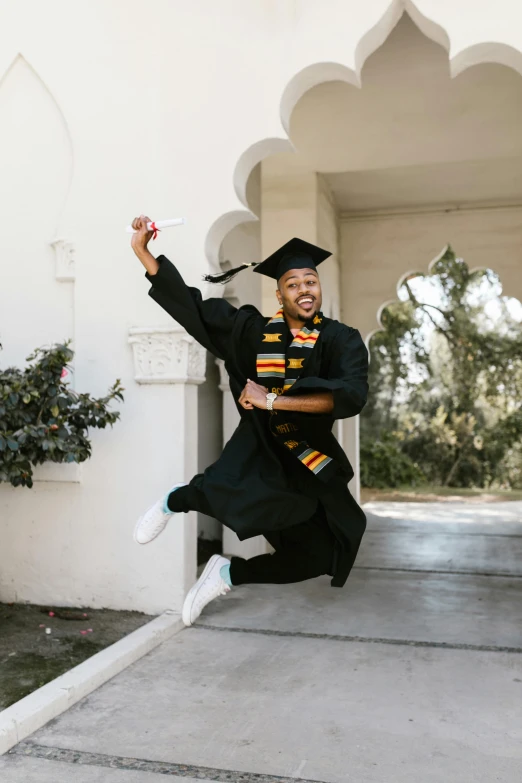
column 384, row 465
column 42, row 419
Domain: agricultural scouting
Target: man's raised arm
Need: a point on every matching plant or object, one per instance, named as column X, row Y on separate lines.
column 210, row 321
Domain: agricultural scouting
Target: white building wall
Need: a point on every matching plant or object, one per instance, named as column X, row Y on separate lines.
column 328, row 237
column 164, row 109
column 35, row 172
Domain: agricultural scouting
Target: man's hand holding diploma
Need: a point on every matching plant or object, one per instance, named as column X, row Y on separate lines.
column 139, row 243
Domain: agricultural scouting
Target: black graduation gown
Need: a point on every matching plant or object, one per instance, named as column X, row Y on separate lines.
column 257, row 486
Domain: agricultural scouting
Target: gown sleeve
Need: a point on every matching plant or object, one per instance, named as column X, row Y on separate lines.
column 347, row 375
column 210, row 321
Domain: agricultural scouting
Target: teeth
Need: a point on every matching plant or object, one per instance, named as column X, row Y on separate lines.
column 307, row 299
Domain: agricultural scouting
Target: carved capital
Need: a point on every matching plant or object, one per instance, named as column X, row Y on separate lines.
column 65, row 260
column 165, row 354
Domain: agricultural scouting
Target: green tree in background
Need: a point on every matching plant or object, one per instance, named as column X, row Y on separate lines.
column 446, row 380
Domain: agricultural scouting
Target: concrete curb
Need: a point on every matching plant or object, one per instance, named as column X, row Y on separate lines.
column 31, row 713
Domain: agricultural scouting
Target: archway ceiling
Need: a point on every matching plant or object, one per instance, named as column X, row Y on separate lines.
column 412, row 136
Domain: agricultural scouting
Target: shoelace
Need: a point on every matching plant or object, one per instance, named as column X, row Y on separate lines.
column 206, row 591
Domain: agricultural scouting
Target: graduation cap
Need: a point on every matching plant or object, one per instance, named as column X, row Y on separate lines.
column 295, row 254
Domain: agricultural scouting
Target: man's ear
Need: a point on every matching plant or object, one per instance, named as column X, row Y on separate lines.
column 279, row 297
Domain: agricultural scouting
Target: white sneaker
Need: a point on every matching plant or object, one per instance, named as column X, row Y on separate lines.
column 154, row 521
column 209, row 586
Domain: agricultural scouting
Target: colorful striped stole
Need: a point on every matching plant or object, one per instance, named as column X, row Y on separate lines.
column 278, row 372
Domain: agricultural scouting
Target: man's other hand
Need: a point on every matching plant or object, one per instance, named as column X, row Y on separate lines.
column 253, row 396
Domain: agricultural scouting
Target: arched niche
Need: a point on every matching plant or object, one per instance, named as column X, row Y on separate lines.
column 36, row 162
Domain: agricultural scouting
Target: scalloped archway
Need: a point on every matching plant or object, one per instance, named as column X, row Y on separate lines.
column 318, row 73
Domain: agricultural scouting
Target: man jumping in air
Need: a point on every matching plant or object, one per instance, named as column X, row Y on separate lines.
column 282, row 474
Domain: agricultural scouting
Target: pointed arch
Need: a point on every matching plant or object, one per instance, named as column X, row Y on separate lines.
column 21, row 61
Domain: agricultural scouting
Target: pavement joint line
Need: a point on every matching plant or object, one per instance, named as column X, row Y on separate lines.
column 505, row 575
column 360, row 639
column 86, row 758
column 419, row 532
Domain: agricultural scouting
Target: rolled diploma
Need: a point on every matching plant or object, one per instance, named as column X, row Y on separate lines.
column 161, row 224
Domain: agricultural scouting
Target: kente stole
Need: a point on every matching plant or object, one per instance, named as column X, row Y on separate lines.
column 279, row 372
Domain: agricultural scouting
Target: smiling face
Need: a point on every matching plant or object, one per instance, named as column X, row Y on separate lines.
column 299, row 291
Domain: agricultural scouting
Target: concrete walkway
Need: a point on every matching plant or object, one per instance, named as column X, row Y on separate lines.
column 412, row 673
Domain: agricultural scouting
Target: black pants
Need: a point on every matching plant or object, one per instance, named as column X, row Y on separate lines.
column 302, row 551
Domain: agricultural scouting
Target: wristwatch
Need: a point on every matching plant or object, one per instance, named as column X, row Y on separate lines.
column 270, row 397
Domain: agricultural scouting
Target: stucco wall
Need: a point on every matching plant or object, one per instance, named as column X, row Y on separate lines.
column 328, row 237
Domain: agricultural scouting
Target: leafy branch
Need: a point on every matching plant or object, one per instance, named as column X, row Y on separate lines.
column 42, row 419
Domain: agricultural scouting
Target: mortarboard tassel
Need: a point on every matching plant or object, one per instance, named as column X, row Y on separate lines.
column 225, row 277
